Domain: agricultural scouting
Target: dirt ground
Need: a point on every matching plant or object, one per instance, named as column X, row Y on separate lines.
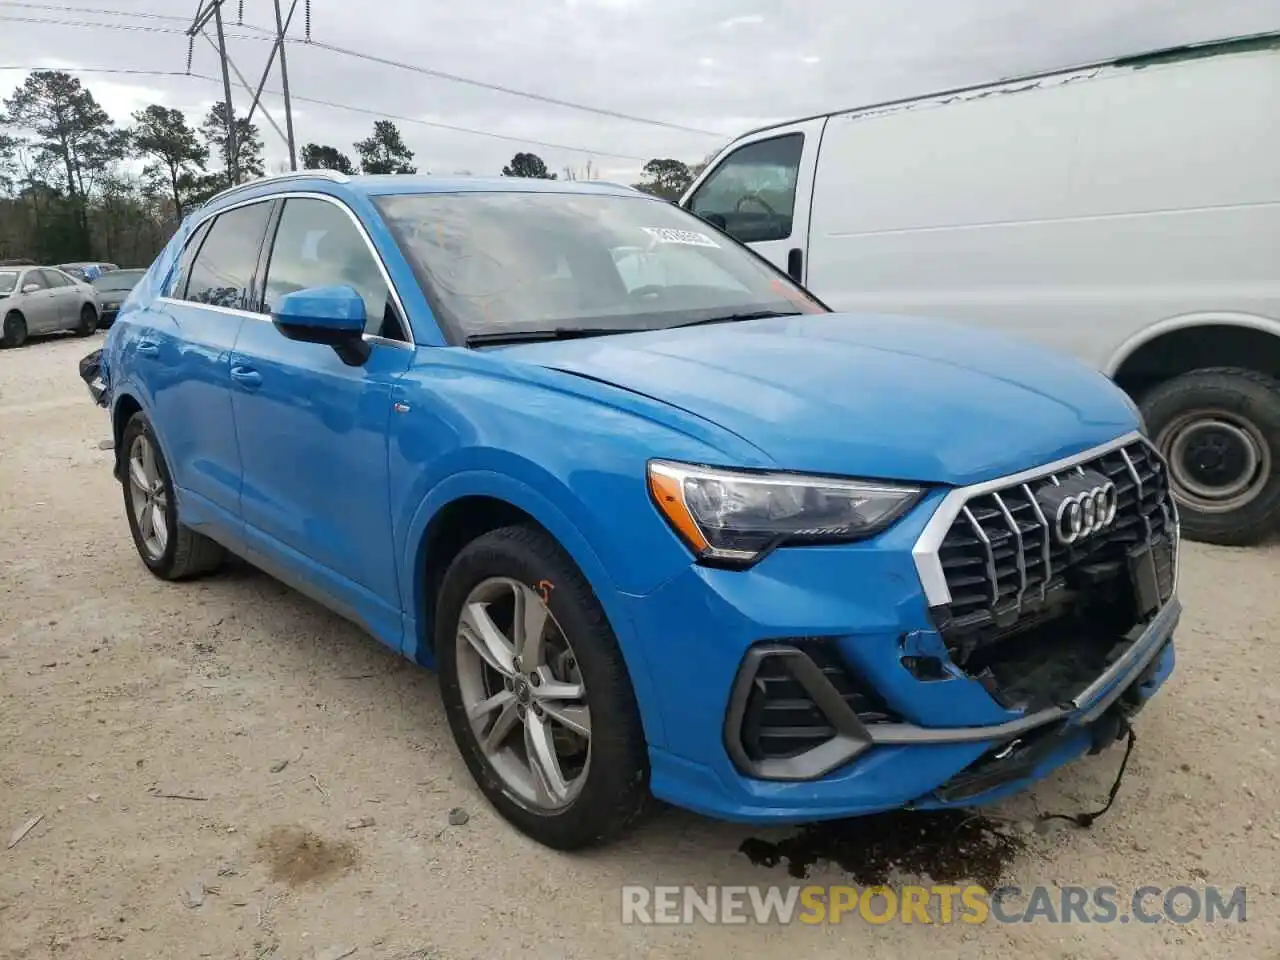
column 224, row 769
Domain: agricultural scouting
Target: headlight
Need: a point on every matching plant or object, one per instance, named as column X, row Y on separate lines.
column 735, row 516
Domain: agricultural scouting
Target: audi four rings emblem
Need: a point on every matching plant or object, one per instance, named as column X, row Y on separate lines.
column 1079, row 506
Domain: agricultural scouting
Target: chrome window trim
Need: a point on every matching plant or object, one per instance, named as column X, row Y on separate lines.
column 332, row 176
column 926, row 552
column 265, row 318
column 196, row 224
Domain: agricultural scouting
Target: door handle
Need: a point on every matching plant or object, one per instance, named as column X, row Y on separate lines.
column 148, row 348
column 247, row 377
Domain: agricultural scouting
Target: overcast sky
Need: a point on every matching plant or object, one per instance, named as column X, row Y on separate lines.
column 715, row 65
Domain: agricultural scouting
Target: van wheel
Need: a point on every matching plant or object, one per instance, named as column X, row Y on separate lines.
column 1219, row 430
column 536, row 691
column 14, row 333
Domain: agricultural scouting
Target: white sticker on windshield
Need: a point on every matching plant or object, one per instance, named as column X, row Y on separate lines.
column 690, row 238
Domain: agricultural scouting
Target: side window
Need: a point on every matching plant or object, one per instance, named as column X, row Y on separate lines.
column 36, row 277
column 752, row 193
column 222, row 272
column 178, row 284
column 317, row 245
column 53, row 279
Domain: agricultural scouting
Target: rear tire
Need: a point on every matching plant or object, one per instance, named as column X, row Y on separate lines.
column 14, row 333
column 169, row 550
column 88, row 321
column 1219, row 430
column 595, row 791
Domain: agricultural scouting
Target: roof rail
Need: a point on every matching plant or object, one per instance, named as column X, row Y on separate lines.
column 334, row 176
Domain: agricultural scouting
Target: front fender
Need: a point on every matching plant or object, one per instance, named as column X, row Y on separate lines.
column 543, row 508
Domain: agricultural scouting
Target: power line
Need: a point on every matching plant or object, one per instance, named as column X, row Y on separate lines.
column 136, row 73
column 133, row 14
column 456, row 129
column 132, row 27
column 454, row 78
column 346, row 51
column 61, row 8
column 367, row 111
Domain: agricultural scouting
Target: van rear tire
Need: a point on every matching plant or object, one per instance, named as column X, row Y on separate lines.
column 1219, row 430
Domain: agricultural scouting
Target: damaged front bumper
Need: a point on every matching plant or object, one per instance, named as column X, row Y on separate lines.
column 855, row 737
column 811, row 687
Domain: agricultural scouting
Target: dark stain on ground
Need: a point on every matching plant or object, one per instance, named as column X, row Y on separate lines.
column 948, row 846
column 297, row 856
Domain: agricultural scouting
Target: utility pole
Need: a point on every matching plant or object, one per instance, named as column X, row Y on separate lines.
column 233, row 159
column 284, row 82
column 207, row 10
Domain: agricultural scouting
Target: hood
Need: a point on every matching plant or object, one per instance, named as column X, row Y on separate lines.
column 888, row 397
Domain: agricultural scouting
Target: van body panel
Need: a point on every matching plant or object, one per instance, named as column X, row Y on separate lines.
column 1077, row 210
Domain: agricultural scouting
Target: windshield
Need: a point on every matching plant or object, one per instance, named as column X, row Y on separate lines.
column 510, row 263
column 8, row 280
column 118, row 280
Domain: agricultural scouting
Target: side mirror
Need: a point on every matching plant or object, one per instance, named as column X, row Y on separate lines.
column 30, row 287
column 333, row 316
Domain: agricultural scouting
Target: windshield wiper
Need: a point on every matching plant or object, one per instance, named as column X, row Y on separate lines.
column 737, row 317
column 534, row 336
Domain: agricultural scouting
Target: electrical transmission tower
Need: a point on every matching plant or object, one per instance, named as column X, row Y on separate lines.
column 211, row 10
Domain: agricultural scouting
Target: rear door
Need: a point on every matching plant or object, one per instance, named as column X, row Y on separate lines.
column 759, row 191
column 184, row 344
column 66, row 297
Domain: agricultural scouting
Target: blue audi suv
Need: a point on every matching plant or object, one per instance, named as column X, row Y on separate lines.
column 664, row 524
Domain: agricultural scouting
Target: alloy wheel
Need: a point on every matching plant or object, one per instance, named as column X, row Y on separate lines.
column 149, row 497
column 523, row 694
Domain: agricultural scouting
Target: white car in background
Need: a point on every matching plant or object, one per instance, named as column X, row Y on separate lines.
column 36, row 300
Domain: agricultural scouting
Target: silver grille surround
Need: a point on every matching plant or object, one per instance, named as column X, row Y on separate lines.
column 927, row 550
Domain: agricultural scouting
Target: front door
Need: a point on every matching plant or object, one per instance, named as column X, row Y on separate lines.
column 759, row 194
column 313, row 431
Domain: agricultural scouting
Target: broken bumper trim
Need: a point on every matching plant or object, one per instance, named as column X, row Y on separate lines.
column 853, row 738
column 93, row 375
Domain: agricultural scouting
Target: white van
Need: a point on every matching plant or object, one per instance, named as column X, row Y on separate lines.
column 1126, row 212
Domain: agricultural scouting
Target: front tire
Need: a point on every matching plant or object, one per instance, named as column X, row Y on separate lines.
column 1219, row 431
column 536, row 691
column 169, row 550
column 88, row 321
column 14, row 331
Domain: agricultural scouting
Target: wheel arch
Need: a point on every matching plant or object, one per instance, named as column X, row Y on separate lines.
column 1179, row 345
column 467, row 505
column 124, row 407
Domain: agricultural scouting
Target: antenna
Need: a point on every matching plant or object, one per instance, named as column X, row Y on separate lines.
column 207, row 10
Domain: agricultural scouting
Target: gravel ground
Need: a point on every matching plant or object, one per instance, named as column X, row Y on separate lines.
column 224, row 769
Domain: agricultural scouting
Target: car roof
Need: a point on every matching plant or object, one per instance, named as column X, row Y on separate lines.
column 373, row 185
